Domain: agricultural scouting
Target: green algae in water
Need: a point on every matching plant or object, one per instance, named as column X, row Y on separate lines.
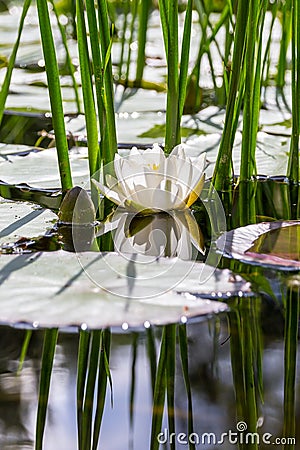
column 282, row 242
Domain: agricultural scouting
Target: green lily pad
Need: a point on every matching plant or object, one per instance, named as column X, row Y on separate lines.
column 20, row 219
column 270, row 244
column 40, row 169
column 158, row 131
column 55, row 290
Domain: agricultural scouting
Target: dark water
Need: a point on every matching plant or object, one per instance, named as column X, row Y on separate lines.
column 214, row 378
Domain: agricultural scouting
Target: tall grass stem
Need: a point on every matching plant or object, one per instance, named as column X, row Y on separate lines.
column 54, row 94
column 11, row 63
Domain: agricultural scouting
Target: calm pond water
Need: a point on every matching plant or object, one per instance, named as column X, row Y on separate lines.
column 213, row 383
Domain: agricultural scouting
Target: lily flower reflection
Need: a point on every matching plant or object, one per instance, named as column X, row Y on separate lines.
column 150, row 181
column 174, row 234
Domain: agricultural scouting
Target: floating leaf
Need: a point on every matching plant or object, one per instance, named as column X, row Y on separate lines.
column 272, row 244
column 55, row 290
column 40, row 169
column 158, row 132
column 19, row 219
column 283, row 242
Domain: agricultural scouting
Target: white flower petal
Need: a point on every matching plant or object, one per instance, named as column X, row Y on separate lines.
column 152, row 179
column 148, row 180
column 166, row 200
column 109, row 225
column 185, row 177
column 171, row 169
column 198, row 169
column 135, row 152
column 144, row 198
column 178, row 151
column 118, row 165
column 112, row 182
column 114, row 196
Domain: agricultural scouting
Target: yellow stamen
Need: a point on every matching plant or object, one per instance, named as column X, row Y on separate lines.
column 154, row 166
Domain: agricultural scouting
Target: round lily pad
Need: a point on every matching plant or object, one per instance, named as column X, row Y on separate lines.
column 270, row 244
column 55, row 290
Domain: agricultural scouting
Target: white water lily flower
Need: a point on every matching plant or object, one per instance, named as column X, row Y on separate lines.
column 150, row 181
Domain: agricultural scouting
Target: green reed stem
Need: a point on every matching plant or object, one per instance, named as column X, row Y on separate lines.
column 151, row 351
column 163, row 10
column 50, row 340
column 252, row 101
column 252, row 74
column 223, row 173
column 25, row 345
column 143, row 16
column 286, row 29
column 208, row 34
column 229, row 38
column 194, row 94
column 109, row 146
column 87, row 89
column 294, row 156
column 290, row 357
column 176, row 81
column 267, row 59
column 236, row 350
column 183, row 344
column 159, row 394
column 98, row 64
column 6, row 83
column 82, row 366
column 169, row 14
column 170, row 378
column 185, row 52
column 87, row 413
column 246, row 354
column 104, row 375
column 54, row 94
column 127, row 10
column 68, row 57
column 134, row 12
column 246, row 196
